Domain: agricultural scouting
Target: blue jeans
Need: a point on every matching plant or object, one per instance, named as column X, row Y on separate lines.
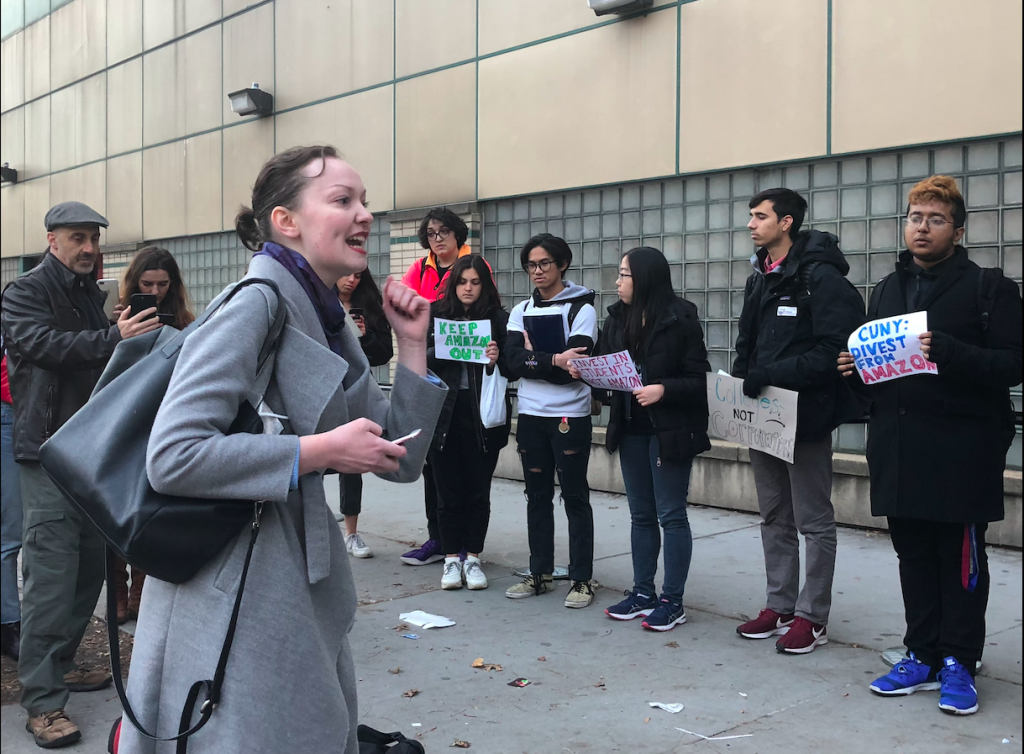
column 10, row 521
column 656, row 489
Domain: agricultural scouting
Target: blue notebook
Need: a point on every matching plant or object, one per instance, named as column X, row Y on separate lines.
column 546, row 331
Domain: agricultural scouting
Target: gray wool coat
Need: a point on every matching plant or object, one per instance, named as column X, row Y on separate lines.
column 290, row 681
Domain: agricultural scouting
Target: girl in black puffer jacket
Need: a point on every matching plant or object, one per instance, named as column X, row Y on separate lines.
column 464, row 454
column 658, row 429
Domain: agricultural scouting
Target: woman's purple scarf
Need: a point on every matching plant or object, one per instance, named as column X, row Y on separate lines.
column 325, row 300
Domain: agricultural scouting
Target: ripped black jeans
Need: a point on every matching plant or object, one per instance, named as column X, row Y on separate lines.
column 545, row 452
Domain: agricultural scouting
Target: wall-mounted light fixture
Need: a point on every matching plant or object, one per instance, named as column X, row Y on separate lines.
column 621, row 7
column 8, row 174
column 251, row 101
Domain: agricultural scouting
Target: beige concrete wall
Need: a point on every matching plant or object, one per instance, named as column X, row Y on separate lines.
column 753, row 84
column 585, row 109
column 917, row 71
column 132, row 93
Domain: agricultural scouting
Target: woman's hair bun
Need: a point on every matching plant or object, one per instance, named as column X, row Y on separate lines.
column 248, row 229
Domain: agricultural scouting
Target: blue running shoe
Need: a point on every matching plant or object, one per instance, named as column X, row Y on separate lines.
column 906, row 677
column 634, row 606
column 958, row 695
column 666, row 616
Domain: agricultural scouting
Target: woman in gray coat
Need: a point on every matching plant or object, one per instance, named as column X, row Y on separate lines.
column 290, row 683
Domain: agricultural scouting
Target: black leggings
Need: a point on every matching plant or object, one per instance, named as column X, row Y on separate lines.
column 462, row 475
column 351, row 493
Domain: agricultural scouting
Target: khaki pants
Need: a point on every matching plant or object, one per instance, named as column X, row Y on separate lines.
column 797, row 497
column 62, row 567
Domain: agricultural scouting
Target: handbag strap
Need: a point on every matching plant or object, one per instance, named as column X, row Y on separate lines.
column 211, row 688
column 272, row 336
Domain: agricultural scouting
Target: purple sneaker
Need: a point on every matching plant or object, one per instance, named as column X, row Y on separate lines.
column 428, row 552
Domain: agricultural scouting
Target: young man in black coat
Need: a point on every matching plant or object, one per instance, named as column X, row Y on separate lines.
column 798, row 311
column 937, row 443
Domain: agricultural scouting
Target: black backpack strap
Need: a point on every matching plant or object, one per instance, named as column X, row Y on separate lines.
column 988, row 284
column 574, row 309
column 210, row 688
column 423, row 269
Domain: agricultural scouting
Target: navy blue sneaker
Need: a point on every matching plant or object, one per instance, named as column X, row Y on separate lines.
column 906, row 677
column 634, row 606
column 666, row 616
column 958, row 695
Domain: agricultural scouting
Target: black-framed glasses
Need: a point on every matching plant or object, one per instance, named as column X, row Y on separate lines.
column 543, row 265
column 934, row 221
column 440, row 234
column 624, row 275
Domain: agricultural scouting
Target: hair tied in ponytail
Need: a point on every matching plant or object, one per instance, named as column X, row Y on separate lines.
column 248, row 229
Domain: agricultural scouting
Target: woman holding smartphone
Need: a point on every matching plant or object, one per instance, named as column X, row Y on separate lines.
column 658, row 429
column 361, row 298
column 153, row 272
column 290, row 684
column 463, row 453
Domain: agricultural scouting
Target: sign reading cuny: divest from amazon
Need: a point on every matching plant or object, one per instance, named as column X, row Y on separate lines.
column 456, row 340
column 890, row 348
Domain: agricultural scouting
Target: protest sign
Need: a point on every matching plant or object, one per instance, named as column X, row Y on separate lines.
column 616, row 371
column 890, row 348
column 766, row 423
column 456, row 340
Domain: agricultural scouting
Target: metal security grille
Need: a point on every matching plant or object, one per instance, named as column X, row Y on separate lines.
column 699, row 222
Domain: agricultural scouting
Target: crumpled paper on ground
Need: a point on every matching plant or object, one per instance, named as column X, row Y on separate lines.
column 426, row 620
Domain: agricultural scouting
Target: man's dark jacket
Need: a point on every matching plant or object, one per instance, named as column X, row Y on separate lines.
column 58, row 341
column 450, row 372
column 937, row 444
column 676, row 358
column 795, row 321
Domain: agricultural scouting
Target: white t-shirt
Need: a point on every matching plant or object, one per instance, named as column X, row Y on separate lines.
column 540, row 397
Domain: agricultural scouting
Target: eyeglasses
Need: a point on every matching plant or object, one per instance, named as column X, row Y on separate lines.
column 934, row 221
column 438, row 235
column 543, row 265
column 624, row 276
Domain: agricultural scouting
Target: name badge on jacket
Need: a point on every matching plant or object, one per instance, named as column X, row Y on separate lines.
column 787, row 311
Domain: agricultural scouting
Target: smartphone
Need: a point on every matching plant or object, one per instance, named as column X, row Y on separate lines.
column 355, row 312
column 165, row 319
column 110, row 287
column 142, row 301
column 411, row 436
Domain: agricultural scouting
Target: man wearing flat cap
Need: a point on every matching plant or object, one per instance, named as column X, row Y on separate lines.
column 58, row 341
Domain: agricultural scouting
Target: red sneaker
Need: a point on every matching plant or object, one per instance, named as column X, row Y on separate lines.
column 767, row 624
column 802, row 638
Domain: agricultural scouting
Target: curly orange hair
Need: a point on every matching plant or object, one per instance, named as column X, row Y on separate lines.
column 940, row 188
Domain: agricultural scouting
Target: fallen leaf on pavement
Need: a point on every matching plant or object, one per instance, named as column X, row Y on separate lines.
column 395, row 671
column 542, row 658
column 481, row 665
column 672, row 644
column 457, row 744
column 410, row 693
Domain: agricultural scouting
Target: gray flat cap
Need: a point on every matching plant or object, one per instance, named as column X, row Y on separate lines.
column 73, row 213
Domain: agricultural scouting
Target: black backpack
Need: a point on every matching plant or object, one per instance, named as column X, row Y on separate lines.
column 374, row 742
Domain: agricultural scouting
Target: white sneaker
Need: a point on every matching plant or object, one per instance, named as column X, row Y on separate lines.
column 474, row 574
column 356, row 547
column 452, row 577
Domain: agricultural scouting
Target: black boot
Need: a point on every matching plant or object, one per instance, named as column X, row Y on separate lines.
column 10, row 639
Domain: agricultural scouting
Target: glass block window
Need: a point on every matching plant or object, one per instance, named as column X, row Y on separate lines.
column 9, row 270
column 699, row 222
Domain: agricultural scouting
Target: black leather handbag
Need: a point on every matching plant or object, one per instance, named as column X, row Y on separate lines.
column 98, row 460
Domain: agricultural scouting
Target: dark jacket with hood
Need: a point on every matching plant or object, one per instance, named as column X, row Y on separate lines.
column 674, row 356
column 450, row 372
column 58, row 341
column 795, row 321
column 937, row 443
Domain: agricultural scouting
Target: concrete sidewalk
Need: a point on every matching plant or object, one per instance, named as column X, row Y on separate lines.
column 589, row 693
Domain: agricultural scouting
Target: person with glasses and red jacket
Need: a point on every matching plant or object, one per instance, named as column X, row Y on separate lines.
column 443, row 234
